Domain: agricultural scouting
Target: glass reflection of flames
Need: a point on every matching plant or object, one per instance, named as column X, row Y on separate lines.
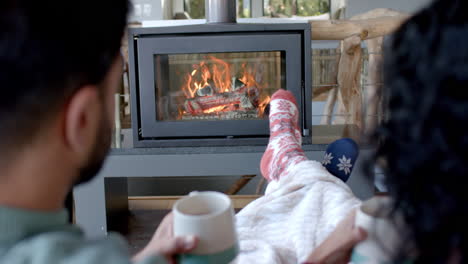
column 214, row 87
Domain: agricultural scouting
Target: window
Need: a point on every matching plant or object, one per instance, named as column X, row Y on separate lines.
column 271, row 8
column 287, row 8
column 244, row 8
column 196, row 8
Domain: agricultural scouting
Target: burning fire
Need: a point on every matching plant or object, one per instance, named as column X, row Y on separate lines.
column 263, row 105
column 214, row 109
column 215, row 87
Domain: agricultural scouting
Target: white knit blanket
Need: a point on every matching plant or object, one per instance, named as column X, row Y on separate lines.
column 296, row 214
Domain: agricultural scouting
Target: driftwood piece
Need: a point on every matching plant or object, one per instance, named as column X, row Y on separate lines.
column 374, row 85
column 374, row 73
column 370, row 26
column 349, row 74
column 325, row 88
column 379, row 13
column 331, row 98
column 329, row 106
column 373, row 24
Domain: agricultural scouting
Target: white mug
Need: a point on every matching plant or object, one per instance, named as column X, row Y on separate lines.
column 383, row 237
column 210, row 217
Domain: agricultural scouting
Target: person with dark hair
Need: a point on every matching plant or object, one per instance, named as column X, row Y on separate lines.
column 60, row 64
column 422, row 143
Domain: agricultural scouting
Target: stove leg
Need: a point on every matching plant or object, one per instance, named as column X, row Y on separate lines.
column 90, row 207
column 102, row 205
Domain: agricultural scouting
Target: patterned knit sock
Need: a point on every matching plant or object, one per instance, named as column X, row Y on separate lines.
column 284, row 148
column 340, row 157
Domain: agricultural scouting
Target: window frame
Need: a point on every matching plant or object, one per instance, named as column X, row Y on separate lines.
column 256, row 7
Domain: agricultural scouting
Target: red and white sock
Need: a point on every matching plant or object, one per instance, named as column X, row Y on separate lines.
column 284, row 148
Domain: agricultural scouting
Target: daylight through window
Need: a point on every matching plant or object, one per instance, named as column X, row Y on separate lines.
column 271, row 8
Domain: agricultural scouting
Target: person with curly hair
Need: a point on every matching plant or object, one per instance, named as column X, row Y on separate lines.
column 424, row 141
column 422, row 144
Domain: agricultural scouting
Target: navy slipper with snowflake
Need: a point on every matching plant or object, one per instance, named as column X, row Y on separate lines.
column 340, row 157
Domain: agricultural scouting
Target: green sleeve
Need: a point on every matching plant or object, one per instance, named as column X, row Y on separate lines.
column 153, row 260
column 63, row 248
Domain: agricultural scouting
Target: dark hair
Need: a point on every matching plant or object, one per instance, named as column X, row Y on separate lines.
column 424, row 141
column 48, row 49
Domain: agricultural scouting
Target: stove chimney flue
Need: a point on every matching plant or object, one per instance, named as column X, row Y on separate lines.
column 220, row 11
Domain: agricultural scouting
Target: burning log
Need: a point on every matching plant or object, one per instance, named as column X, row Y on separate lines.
column 245, row 98
column 236, row 84
column 205, row 91
column 230, row 115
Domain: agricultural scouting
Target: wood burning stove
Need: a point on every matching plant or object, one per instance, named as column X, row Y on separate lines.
column 210, row 84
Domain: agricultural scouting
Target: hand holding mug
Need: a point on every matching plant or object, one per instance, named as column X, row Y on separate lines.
column 210, row 217
column 164, row 243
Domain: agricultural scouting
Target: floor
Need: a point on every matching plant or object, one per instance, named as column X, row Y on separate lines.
column 141, row 226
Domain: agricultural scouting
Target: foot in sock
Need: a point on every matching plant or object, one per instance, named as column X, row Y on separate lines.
column 340, row 157
column 284, row 148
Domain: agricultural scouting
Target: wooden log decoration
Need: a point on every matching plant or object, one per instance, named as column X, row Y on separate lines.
column 374, row 85
column 373, row 24
column 378, row 13
column 349, row 74
column 331, row 98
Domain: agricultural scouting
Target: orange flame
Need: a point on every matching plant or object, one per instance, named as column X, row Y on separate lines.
column 249, row 76
column 219, row 74
column 262, row 106
column 215, row 109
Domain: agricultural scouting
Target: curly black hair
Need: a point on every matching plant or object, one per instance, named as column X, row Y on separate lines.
column 424, row 139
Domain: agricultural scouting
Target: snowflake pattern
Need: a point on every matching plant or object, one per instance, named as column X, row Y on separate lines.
column 279, row 116
column 284, row 147
column 327, row 159
column 284, row 105
column 345, row 165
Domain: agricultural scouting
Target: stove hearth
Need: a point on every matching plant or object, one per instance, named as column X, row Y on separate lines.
column 210, row 84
